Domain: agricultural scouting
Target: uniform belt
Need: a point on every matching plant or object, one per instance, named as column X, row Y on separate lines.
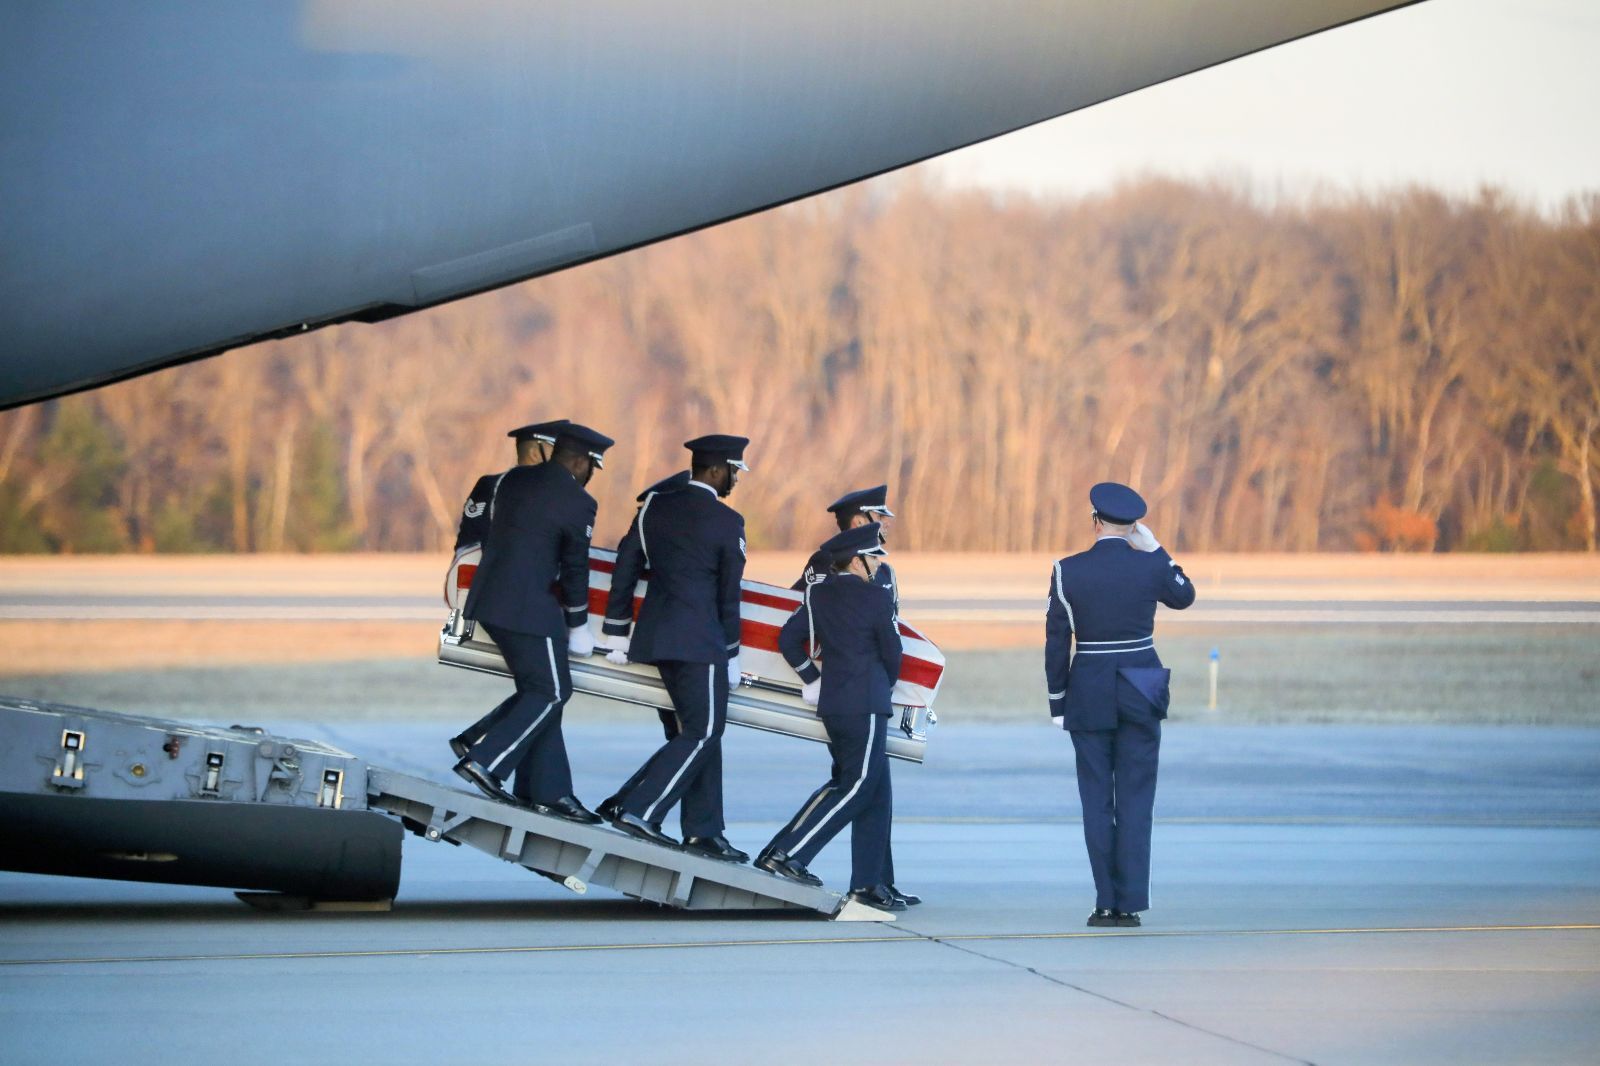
column 1112, row 647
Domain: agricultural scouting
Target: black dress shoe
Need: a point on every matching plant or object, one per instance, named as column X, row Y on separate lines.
column 486, row 782
column 640, row 829
column 459, row 745
column 569, row 808
column 877, row 896
column 610, row 808
column 909, row 899
column 716, row 847
column 1126, row 920
column 778, row 862
column 1103, row 917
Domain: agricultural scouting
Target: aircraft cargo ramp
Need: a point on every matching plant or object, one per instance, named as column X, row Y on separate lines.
column 96, row 794
column 578, row 856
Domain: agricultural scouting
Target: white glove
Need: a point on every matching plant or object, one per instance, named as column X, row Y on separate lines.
column 811, row 692
column 618, row 655
column 733, row 672
column 580, row 641
column 1142, row 538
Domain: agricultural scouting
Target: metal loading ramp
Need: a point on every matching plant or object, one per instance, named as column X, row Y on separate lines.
column 579, row 856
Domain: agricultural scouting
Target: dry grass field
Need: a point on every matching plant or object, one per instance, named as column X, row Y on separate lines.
column 382, row 667
column 931, row 575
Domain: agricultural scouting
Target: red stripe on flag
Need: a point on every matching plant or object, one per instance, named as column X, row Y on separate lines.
column 913, row 671
column 920, row 672
column 789, row 603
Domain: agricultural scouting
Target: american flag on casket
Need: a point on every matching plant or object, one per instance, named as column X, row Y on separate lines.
column 769, row 698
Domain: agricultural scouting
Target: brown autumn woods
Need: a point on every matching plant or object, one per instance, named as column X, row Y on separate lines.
column 1402, row 371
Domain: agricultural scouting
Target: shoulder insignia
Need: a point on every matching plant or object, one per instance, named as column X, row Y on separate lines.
column 742, row 550
column 474, row 509
column 588, row 531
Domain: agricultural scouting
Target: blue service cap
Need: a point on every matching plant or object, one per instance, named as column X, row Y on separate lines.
column 716, row 448
column 869, row 501
column 583, row 439
column 677, row 481
column 862, row 540
column 545, row 431
column 1116, row 503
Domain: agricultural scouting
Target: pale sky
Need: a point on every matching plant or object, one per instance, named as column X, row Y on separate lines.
column 1448, row 93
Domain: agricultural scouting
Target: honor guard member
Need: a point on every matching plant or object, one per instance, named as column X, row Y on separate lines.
column 693, row 545
column 850, row 511
column 533, row 447
column 630, row 564
column 851, row 621
column 1113, row 693
column 538, row 539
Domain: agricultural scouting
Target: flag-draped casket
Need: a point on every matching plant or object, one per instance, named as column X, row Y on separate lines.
column 768, row 698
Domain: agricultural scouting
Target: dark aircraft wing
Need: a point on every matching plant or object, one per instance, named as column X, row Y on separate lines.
column 180, row 178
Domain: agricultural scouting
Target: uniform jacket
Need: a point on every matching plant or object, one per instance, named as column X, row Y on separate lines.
column 538, row 538
column 692, row 546
column 1105, row 600
column 474, row 528
column 819, row 566
column 854, row 627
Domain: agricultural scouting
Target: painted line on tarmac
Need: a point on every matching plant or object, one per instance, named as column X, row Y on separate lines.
column 907, row 937
column 1293, row 616
column 264, row 613
column 1254, row 615
column 1578, row 821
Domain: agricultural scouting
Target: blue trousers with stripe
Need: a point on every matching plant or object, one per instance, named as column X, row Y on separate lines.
column 700, row 813
column 524, row 732
column 1117, row 785
column 857, row 795
column 688, row 767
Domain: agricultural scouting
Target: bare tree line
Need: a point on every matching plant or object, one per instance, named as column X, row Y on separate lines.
column 1401, row 371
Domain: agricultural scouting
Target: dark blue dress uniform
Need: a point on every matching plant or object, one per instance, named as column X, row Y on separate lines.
column 693, row 546
column 817, row 568
column 698, row 803
column 1113, row 694
column 474, row 527
column 473, row 531
column 852, row 623
column 869, row 502
column 538, row 543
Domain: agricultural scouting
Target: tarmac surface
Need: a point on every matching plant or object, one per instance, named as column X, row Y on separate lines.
column 1327, row 894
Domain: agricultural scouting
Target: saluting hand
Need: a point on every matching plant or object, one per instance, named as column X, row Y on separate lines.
column 1142, row 538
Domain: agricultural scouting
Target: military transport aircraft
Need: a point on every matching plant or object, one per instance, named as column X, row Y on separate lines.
column 183, row 178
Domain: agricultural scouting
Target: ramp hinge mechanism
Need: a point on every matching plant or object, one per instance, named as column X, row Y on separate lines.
column 68, row 772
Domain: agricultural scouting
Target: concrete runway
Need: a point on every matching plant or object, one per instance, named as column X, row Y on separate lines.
column 36, row 606
column 1322, row 894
